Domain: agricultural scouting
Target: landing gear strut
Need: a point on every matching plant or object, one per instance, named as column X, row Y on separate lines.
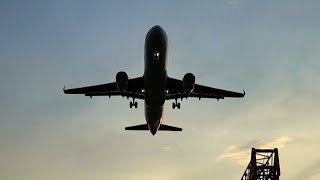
column 176, row 104
column 133, row 103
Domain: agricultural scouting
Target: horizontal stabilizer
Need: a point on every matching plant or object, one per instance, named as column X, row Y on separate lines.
column 164, row 127
column 138, row 127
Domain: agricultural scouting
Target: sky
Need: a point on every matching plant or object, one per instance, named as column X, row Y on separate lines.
column 271, row 49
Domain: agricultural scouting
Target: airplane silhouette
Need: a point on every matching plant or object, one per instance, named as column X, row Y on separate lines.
column 155, row 87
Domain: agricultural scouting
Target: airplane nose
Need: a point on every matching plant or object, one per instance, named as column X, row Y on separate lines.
column 156, row 28
column 156, row 39
column 157, row 31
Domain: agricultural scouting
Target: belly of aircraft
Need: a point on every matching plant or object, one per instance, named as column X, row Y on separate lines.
column 153, row 117
column 155, row 86
column 154, row 102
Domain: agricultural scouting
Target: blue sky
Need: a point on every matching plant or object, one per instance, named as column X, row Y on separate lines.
column 268, row 48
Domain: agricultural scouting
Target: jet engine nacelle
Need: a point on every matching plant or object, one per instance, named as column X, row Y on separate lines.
column 188, row 83
column 122, row 81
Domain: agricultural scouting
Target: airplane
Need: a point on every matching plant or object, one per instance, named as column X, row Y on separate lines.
column 155, row 86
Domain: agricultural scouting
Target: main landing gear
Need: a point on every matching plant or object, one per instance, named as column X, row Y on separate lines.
column 176, row 104
column 133, row 103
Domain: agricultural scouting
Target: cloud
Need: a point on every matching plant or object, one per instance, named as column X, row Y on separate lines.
column 310, row 172
column 277, row 143
column 167, row 148
column 235, row 153
column 241, row 155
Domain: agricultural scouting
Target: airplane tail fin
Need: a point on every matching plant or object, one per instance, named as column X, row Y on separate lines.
column 162, row 127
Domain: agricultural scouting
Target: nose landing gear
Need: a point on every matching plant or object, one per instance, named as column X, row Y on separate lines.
column 133, row 103
column 176, row 104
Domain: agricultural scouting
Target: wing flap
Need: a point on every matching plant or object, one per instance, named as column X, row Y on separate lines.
column 176, row 91
column 134, row 90
column 116, row 93
column 195, row 95
column 92, row 89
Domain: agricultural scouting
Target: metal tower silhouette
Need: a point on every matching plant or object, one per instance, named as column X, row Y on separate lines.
column 264, row 165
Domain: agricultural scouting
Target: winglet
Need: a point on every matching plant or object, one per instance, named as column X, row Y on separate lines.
column 244, row 93
column 64, row 89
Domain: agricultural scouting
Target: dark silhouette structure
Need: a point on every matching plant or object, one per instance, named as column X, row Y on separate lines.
column 264, row 165
column 155, row 86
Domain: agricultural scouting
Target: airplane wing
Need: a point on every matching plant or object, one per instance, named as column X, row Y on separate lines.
column 176, row 91
column 134, row 90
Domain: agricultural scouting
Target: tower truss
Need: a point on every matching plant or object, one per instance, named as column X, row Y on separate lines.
column 264, row 165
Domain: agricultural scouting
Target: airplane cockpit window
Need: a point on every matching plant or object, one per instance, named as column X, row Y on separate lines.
column 156, row 55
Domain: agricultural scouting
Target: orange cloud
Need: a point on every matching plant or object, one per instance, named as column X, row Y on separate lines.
column 242, row 156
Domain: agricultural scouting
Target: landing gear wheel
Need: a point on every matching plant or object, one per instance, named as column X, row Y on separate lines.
column 136, row 105
column 174, row 105
column 133, row 104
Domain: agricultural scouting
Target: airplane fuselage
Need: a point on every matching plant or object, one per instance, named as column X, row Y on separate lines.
column 155, row 76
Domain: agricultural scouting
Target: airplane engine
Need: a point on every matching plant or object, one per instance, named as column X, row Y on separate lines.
column 188, row 83
column 122, row 81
